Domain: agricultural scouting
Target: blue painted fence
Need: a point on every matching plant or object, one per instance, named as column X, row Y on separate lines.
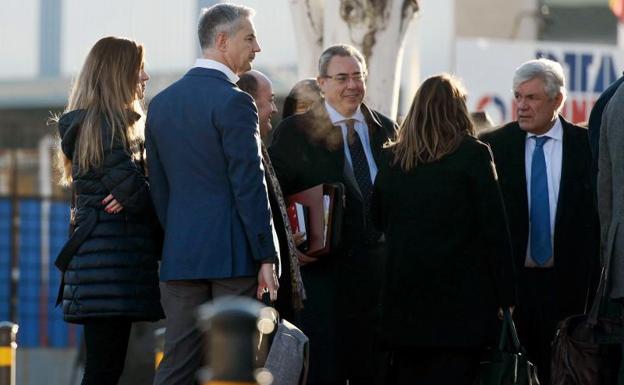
column 41, row 323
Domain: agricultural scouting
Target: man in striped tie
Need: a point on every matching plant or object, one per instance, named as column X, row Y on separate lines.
column 339, row 141
column 544, row 165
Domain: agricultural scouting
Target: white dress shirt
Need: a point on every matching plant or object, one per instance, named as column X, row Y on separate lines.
column 553, row 151
column 361, row 128
column 215, row 65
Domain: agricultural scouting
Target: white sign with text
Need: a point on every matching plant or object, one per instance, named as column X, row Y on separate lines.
column 486, row 68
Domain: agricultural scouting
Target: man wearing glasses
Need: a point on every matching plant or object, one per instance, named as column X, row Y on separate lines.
column 339, row 140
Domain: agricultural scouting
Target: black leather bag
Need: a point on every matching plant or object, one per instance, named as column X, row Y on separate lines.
column 586, row 348
column 507, row 365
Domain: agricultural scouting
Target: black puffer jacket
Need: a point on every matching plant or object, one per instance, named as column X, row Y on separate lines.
column 114, row 270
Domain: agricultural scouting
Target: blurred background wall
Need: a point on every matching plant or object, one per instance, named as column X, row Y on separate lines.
column 44, row 42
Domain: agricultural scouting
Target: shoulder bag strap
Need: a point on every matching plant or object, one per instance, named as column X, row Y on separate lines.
column 601, row 292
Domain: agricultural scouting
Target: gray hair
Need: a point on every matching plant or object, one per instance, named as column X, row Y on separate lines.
column 220, row 18
column 549, row 71
column 339, row 50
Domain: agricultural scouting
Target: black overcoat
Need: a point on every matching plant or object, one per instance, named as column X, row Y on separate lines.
column 576, row 238
column 342, row 288
column 449, row 253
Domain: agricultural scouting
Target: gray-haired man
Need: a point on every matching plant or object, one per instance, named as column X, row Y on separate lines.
column 208, row 186
column 544, row 165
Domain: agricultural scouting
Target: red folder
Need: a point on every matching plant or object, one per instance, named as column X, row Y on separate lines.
column 298, row 216
column 324, row 224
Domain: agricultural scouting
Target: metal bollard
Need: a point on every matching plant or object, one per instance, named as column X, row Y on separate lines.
column 8, row 332
column 232, row 325
column 159, row 350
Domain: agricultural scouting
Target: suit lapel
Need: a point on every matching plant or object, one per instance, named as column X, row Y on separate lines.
column 567, row 174
column 349, row 178
column 520, row 170
column 334, row 146
column 519, row 183
column 376, row 139
column 375, row 134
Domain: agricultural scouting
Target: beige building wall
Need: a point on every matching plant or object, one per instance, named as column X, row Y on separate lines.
column 503, row 19
column 572, row 3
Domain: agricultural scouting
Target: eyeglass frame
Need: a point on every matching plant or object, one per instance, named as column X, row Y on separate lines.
column 342, row 78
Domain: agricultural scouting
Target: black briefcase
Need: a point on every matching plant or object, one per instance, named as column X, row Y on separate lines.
column 587, row 347
column 508, row 364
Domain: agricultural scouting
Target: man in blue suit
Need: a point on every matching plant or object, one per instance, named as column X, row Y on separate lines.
column 208, row 186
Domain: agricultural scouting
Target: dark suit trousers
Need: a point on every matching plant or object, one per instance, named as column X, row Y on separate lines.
column 184, row 353
column 318, row 321
column 360, row 275
column 339, row 318
column 536, row 317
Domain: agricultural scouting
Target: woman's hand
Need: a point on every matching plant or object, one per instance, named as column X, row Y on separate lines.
column 304, row 259
column 111, row 205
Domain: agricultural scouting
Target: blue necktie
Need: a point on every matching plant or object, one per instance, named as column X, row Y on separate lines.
column 541, row 249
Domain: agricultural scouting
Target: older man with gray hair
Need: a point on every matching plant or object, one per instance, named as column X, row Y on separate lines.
column 544, row 166
column 208, row 187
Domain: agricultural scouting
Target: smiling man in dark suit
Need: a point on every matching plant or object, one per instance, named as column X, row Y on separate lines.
column 339, row 140
column 544, row 166
column 208, row 186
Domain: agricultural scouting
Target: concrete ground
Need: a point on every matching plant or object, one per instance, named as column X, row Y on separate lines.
column 37, row 366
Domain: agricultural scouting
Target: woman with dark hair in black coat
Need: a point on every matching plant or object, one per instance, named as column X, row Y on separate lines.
column 109, row 264
column 304, row 94
column 449, row 269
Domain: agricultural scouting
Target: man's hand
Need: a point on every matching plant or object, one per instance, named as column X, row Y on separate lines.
column 267, row 281
column 111, row 205
column 299, row 238
column 500, row 312
column 304, row 259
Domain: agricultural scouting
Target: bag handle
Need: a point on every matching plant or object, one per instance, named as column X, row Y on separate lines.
column 266, row 300
column 592, row 319
column 502, row 342
column 601, row 291
column 508, row 332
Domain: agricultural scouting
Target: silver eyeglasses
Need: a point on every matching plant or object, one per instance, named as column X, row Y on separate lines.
column 357, row 77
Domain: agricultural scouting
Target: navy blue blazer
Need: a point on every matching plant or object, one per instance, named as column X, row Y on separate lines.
column 207, row 179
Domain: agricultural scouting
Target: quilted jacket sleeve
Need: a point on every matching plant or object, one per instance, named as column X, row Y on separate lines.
column 125, row 180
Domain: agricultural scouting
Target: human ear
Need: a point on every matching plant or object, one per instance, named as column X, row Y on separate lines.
column 221, row 41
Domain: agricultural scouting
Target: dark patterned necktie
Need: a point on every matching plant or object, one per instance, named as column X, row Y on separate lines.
column 298, row 291
column 362, row 174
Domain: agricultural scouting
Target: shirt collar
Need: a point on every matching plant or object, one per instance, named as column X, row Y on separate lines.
column 215, row 65
column 336, row 117
column 555, row 132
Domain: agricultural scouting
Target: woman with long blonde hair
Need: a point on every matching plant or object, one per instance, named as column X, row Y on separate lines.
column 109, row 264
column 449, row 267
